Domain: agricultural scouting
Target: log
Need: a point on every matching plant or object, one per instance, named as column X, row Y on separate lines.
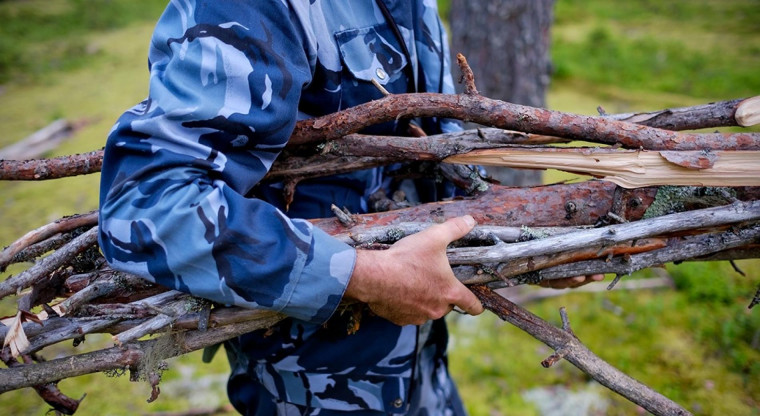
column 39, row 142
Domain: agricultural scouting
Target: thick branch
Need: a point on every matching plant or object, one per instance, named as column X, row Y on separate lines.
column 516, row 117
column 578, row 354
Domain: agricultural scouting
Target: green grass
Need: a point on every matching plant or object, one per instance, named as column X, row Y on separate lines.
column 697, row 344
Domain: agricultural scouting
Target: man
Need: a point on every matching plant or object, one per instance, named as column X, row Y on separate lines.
column 182, row 201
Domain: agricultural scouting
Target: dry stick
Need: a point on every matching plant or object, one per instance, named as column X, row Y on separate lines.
column 360, row 234
column 511, row 116
column 58, row 167
column 578, row 354
column 469, row 107
column 128, row 356
column 169, row 312
column 47, row 265
column 717, row 114
column 36, row 250
column 46, row 231
column 617, row 233
column 683, row 249
column 107, row 283
column 48, row 391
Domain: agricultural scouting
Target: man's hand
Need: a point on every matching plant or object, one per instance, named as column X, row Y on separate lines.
column 412, row 281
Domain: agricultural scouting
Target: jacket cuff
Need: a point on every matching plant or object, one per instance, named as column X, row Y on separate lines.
column 323, row 279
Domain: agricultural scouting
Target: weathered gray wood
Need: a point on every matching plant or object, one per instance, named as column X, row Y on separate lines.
column 704, row 218
column 39, row 142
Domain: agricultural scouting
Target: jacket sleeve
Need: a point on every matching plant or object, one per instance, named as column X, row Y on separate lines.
column 225, row 81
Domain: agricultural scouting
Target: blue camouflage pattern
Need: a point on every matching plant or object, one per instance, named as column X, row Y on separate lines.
column 183, row 204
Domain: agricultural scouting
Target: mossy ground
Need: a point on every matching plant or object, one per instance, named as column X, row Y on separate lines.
column 697, row 344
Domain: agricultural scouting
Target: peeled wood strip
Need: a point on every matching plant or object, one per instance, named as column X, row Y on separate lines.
column 627, row 168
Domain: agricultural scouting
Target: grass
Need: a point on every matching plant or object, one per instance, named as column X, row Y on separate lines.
column 697, row 344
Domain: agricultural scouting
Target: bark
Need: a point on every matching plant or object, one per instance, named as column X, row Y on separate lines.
column 569, row 347
column 510, row 116
column 612, row 234
column 726, row 245
column 127, row 356
column 59, row 167
column 717, row 114
column 46, row 231
column 48, row 264
column 563, row 205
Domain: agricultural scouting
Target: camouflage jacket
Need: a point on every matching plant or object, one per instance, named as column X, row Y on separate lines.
column 182, row 202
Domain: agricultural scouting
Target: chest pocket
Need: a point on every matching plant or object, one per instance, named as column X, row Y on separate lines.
column 370, row 53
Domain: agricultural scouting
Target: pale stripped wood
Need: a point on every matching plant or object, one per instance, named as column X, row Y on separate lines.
column 627, row 168
column 748, row 112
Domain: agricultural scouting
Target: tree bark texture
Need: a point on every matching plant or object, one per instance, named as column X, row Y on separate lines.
column 507, row 44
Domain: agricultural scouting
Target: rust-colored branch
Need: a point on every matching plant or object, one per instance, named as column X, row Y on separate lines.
column 467, row 76
column 58, row 167
column 579, row 355
column 511, row 116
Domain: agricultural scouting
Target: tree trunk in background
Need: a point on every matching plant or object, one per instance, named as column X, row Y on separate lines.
column 506, row 43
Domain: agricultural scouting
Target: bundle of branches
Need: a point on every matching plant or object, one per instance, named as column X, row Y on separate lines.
column 659, row 196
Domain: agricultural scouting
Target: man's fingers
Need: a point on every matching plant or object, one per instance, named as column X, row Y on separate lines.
column 453, row 229
column 468, row 302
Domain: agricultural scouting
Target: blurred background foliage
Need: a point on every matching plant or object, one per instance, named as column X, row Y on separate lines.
column 697, row 343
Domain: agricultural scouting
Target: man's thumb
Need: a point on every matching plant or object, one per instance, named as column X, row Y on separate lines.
column 456, row 228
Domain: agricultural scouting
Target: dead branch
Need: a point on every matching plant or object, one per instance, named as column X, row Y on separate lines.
column 48, row 264
column 46, row 231
column 128, row 356
column 717, row 114
column 39, row 142
column 58, row 167
column 48, row 391
column 523, row 298
column 612, row 234
column 681, row 249
column 511, row 116
column 573, row 350
column 543, row 126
